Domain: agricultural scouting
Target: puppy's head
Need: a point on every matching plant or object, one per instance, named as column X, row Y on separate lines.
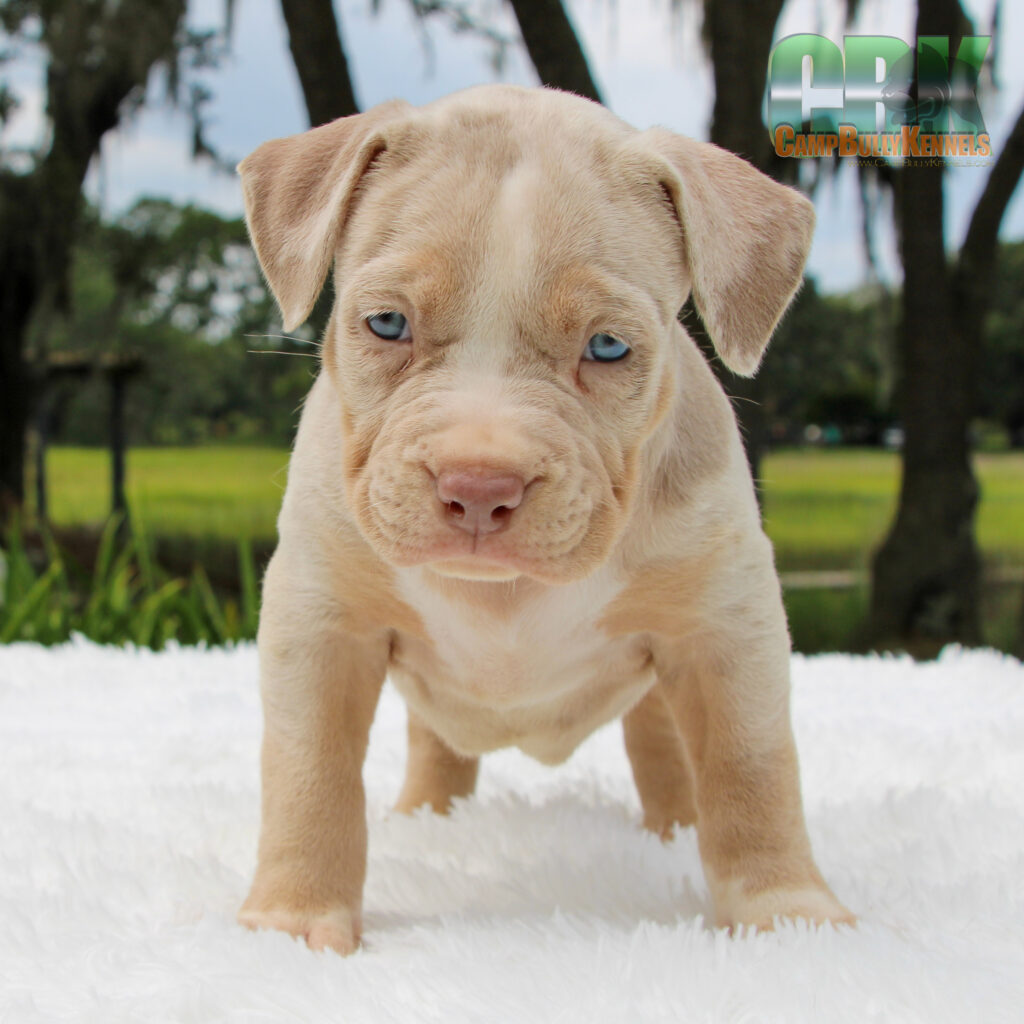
column 509, row 265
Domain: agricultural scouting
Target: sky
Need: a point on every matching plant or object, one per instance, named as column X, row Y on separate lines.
column 648, row 63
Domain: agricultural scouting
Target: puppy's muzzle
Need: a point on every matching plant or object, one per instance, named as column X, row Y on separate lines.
column 479, row 500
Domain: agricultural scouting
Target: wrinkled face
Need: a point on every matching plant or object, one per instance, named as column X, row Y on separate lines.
column 500, row 346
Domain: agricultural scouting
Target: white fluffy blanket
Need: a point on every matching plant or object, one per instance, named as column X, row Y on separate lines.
column 128, row 822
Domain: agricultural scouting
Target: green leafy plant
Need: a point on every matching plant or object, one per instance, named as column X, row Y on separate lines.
column 126, row 598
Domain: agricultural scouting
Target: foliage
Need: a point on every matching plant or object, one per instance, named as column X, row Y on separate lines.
column 47, row 598
column 829, row 364
column 180, row 287
column 78, row 36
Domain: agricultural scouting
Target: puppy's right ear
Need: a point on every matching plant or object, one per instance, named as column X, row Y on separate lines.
column 297, row 192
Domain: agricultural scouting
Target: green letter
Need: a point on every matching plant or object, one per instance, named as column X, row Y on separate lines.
column 866, row 89
column 788, row 101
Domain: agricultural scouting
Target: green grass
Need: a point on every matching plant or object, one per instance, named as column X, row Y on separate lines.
column 219, row 492
column 1001, row 516
column 826, row 509
column 830, row 509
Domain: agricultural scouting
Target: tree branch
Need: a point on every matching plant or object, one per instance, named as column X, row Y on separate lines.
column 554, row 47
column 980, row 243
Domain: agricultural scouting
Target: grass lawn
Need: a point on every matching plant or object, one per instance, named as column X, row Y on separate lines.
column 216, row 493
column 829, row 509
column 823, row 509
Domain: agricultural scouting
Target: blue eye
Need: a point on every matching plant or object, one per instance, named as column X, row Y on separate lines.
column 604, row 348
column 390, row 326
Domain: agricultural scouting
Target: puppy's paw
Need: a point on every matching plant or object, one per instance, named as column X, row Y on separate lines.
column 759, row 910
column 337, row 929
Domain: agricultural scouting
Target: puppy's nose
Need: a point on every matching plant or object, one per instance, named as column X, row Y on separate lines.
column 479, row 501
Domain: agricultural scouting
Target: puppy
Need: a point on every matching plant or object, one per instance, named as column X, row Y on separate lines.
column 517, row 488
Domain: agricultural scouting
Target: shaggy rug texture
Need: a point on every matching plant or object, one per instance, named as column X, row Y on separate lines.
column 129, row 815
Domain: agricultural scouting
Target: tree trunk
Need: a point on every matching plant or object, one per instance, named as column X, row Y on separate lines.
column 925, row 576
column 314, row 37
column 15, row 412
column 739, row 35
column 554, row 47
column 17, row 297
column 975, row 270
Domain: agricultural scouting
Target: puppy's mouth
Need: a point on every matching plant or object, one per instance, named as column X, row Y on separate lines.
column 486, row 558
column 469, row 557
column 474, row 568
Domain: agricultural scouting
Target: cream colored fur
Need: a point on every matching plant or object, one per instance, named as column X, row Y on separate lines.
column 632, row 579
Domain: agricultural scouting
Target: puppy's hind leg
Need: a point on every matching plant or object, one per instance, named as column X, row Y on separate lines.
column 434, row 774
column 659, row 765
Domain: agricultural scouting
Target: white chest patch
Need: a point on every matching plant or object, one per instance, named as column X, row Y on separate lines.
column 541, row 676
column 507, row 658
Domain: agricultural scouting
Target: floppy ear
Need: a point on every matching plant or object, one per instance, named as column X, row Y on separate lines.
column 746, row 239
column 297, row 192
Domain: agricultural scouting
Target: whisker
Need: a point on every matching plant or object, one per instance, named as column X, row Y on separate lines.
column 742, row 398
column 287, row 337
column 279, row 352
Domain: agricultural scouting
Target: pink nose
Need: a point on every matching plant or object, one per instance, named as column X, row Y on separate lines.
column 479, row 501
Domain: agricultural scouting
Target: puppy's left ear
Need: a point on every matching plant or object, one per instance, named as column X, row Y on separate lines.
column 746, row 239
column 297, row 192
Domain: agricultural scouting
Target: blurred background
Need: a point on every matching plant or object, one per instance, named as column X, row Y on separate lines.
column 148, row 396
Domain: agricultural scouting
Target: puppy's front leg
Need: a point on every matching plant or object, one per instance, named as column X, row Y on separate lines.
column 320, row 687
column 729, row 694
